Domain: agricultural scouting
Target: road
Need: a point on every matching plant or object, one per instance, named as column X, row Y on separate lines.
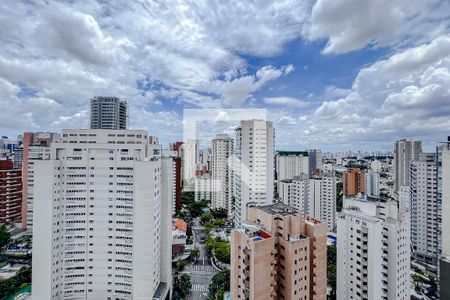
column 201, row 270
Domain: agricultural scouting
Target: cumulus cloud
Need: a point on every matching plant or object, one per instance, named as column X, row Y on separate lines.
column 405, row 95
column 286, row 101
column 353, row 24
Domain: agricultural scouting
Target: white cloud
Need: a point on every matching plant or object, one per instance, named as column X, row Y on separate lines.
column 286, row 101
column 353, row 24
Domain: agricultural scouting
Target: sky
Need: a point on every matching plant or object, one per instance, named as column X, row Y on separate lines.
column 332, row 74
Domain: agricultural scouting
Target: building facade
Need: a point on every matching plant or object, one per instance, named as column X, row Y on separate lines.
column 10, row 193
column 372, row 183
column 405, row 151
column 253, row 167
column 102, row 218
column 373, row 250
column 190, row 159
column 312, row 195
column 290, row 164
column 315, row 161
column 353, row 182
column 36, row 146
column 222, row 173
column 279, row 254
column 424, row 208
column 443, row 170
column 109, row 113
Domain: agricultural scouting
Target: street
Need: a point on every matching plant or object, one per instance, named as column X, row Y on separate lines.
column 201, row 270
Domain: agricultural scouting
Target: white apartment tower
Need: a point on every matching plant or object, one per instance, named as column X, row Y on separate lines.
column 443, row 171
column 102, row 217
column 424, row 208
column 222, row 177
column 109, row 113
column 190, row 158
column 290, row 164
column 253, row 166
column 405, row 151
column 312, row 195
column 373, row 250
column 372, row 183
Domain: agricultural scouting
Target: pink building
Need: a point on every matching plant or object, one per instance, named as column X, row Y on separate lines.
column 278, row 254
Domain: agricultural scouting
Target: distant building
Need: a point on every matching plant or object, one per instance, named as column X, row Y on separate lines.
column 190, row 159
column 10, row 193
column 222, row 173
column 290, row 164
column 108, row 113
column 424, row 208
column 373, row 250
column 353, row 182
column 312, row 195
column 253, row 166
column 279, row 254
column 315, row 161
column 202, row 187
column 405, row 151
column 375, row 166
column 36, row 146
column 102, row 218
column 372, row 183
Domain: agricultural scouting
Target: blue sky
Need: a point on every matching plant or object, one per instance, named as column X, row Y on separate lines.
column 332, row 74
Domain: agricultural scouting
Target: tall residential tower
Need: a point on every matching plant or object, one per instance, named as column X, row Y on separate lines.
column 108, row 113
column 102, row 218
column 253, row 166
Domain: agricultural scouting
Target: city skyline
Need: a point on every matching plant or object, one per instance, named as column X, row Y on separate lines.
column 315, row 75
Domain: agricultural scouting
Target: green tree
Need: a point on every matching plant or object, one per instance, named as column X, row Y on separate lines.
column 181, row 264
column 206, row 217
column 219, row 213
column 196, row 208
column 187, row 197
column 181, row 286
column 220, row 283
column 5, row 237
column 11, row 285
column 416, row 279
column 331, row 269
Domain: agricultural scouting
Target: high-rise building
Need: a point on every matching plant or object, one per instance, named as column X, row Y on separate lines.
column 190, row 159
column 290, row 164
column 222, row 173
column 373, row 250
column 102, row 218
column 108, row 113
column 405, row 151
column 424, row 208
column 253, row 168
column 443, row 170
column 204, row 165
column 312, row 195
column 353, row 182
column 10, row 193
column 36, row 146
column 202, row 187
column 279, row 254
column 176, row 147
column 315, row 161
column 372, row 183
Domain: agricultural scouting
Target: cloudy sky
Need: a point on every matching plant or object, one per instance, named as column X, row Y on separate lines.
column 332, row 74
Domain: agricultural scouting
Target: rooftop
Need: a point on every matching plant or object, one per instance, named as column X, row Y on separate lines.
column 292, row 153
column 278, row 209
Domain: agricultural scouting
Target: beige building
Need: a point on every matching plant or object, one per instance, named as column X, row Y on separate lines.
column 279, row 254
